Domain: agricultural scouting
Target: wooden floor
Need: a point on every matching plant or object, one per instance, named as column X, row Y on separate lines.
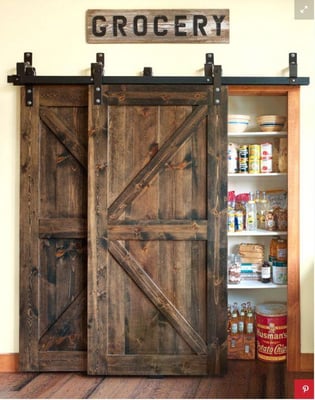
column 245, row 379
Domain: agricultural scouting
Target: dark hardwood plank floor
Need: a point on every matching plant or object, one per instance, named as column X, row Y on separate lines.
column 245, row 379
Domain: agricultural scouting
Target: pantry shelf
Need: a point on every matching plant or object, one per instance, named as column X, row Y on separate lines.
column 243, row 175
column 255, row 285
column 263, row 135
column 258, row 232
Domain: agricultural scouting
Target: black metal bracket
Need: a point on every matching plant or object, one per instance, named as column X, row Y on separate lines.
column 147, row 71
column 97, row 72
column 293, row 67
column 214, row 75
column 217, row 84
column 24, row 69
column 208, row 67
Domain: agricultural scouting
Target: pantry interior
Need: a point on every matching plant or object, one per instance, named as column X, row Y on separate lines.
column 275, row 243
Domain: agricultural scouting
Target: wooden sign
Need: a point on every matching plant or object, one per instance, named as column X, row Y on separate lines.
column 157, row 26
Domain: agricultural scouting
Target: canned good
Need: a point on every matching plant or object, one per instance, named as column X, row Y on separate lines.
column 243, row 165
column 232, row 158
column 243, row 151
column 254, row 150
column 266, row 165
column 266, row 150
column 271, row 331
column 253, row 166
column 279, row 273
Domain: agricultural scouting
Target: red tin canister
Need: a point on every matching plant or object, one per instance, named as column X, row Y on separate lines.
column 271, row 331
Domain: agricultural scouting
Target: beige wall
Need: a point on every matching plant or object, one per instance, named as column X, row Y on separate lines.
column 263, row 32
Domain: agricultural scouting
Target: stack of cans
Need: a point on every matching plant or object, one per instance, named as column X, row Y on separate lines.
column 252, row 158
column 243, row 158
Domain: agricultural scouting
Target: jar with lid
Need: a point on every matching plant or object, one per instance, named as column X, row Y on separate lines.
column 234, row 269
column 273, row 248
column 279, row 273
column 281, row 250
column 281, row 217
column 270, row 223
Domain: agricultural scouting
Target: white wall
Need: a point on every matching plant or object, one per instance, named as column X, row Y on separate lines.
column 262, row 33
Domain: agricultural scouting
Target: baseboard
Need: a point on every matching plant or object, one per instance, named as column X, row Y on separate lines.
column 9, row 362
column 307, row 362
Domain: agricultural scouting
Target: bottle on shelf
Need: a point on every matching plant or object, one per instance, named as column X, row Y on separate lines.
column 241, row 319
column 231, row 216
column 234, row 320
column 251, row 213
column 270, row 223
column 266, row 272
column 262, row 209
column 249, row 319
column 229, row 317
column 234, row 268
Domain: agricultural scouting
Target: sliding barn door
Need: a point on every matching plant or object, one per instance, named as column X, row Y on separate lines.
column 53, row 229
column 157, row 231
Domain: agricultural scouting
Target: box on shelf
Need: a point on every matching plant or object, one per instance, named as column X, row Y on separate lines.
column 250, row 272
column 241, row 347
column 251, row 253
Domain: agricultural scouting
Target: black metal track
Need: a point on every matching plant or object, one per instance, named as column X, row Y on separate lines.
column 154, row 80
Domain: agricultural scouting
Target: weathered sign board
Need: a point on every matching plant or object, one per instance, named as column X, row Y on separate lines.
column 158, row 26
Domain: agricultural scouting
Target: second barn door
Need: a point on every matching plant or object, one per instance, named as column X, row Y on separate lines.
column 157, row 231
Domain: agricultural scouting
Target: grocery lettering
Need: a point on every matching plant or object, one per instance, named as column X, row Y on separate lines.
column 141, row 25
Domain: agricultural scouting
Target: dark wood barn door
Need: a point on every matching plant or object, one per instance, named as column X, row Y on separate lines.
column 53, row 229
column 157, row 231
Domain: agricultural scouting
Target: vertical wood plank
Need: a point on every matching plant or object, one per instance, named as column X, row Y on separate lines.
column 293, row 298
column 97, row 238
column 116, row 182
column 141, row 314
column 217, row 236
column 29, row 242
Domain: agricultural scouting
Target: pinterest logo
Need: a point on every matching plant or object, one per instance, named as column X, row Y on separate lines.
column 304, row 389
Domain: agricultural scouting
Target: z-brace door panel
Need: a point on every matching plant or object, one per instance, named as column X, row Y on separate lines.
column 157, row 231
column 53, row 231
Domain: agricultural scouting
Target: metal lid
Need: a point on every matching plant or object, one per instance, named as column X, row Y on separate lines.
column 271, row 309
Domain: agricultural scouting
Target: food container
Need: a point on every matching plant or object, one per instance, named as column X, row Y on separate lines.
column 234, row 269
column 254, row 151
column 232, row 158
column 266, row 150
column 279, row 273
column 266, row 165
column 281, row 217
column 282, row 250
column 254, row 165
column 271, row 331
